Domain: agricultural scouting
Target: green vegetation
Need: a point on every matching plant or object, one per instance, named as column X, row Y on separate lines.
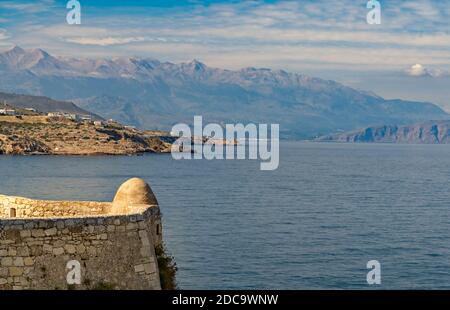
column 167, row 269
column 103, row 286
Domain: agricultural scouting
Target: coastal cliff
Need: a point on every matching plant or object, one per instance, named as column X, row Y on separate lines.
column 431, row 132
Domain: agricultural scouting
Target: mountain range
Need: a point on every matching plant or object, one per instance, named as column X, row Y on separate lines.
column 149, row 93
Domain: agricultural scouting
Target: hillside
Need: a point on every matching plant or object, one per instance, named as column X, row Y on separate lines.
column 431, row 132
column 26, row 135
column 146, row 92
column 43, row 104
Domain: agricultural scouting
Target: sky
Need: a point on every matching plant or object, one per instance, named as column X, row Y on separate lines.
column 407, row 56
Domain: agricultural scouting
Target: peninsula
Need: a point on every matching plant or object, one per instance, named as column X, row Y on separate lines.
column 60, row 135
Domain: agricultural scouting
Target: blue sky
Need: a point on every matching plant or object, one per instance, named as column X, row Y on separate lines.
column 407, row 56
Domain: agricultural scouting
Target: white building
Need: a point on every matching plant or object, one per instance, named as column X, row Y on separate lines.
column 85, row 117
column 55, row 114
column 71, row 116
column 7, row 112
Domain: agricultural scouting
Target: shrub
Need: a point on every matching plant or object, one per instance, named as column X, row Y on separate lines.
column 103, row 286
column 167, row 269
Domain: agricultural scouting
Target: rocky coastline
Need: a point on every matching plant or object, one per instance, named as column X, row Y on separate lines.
column 42, row 135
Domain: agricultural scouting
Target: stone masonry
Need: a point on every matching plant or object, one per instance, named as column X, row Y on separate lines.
column 113, row 242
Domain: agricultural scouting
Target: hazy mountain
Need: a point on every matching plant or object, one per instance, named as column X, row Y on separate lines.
column 152, row 94
column 431, row 132
column 42, row 104
column 37, row 60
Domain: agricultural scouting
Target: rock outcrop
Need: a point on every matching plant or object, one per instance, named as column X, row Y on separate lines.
column 432, row 132
column 21, row 145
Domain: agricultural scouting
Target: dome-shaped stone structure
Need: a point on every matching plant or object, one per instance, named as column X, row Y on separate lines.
column 135, row 191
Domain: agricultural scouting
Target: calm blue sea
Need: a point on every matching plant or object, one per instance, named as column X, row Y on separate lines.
column 312, row 224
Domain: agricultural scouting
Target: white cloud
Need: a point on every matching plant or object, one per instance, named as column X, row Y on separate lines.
column 418, row 70
column 105, row 41
column 3, row 34
column 423, row 8
column 27, row 6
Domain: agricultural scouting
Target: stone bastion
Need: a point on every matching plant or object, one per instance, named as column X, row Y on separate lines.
column 114, row 242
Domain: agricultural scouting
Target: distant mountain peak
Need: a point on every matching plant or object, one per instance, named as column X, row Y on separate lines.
column 15, row 49
column 40, row 52
column 197, row 65
column 35, row 59
column 196, row 62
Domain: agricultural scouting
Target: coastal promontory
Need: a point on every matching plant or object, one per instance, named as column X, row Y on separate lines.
column 37, row 134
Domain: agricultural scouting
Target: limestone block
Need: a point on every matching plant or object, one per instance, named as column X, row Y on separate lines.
column 47, row 248
column 4, row 272
column 58, row 251
column 37, row 233
column 25, row 233
column 132, row 226
column 6, row 242
column 58, row 243
column 60, row 225
column 81, row 249
column 23, row 251
column 70, row 248
column 149, row 268
column 15, row 271
column 139, row 268
column 28, row 261
column 51, row 231
column 18, row 261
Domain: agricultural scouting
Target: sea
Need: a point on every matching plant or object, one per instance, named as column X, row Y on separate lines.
column 314, row 223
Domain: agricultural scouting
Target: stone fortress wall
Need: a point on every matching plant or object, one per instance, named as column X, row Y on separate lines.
column 113, row 242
